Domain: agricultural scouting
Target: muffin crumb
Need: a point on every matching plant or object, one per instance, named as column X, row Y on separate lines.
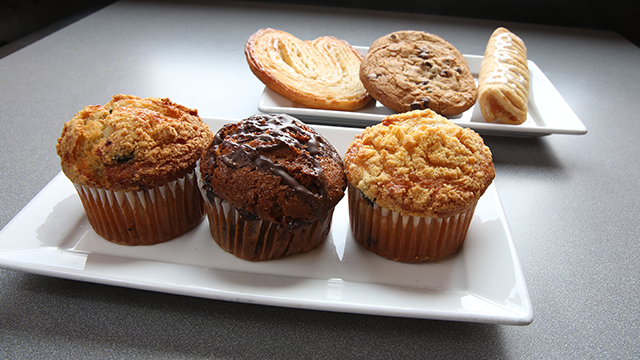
column 421, row 164
column 131, row 143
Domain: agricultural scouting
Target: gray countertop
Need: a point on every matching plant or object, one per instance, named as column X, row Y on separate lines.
column 571, row 201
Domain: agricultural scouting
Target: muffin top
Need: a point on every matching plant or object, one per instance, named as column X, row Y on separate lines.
column 275, row 168
column 421, row 164
column 132, row 143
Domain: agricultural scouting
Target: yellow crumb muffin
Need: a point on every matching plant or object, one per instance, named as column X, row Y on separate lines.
column 414, row 181
column 133, row 162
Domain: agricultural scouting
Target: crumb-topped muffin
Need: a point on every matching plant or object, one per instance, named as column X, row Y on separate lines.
column 132, row 162
column 414, row 181
column 271, row 184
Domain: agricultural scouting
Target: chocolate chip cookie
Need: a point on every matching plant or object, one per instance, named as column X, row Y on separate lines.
column 411, row 70
column 414, row 36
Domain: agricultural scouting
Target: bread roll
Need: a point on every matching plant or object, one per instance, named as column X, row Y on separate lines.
column 503, row 89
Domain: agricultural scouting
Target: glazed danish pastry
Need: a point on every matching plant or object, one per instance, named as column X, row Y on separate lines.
column 503, row 84
column 319, row 74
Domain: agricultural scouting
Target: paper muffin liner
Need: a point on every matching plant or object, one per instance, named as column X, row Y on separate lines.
column 405, row 238
column 144, row 217
column 257, row 240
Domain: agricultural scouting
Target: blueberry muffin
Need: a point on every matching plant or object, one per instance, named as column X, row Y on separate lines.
column 133, row 163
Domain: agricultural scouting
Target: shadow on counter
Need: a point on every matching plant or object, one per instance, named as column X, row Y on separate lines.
column 24, row 22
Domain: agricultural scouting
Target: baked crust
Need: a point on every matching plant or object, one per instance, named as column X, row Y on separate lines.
column 319, row 74
column 413, row 70
column 503, row 86
column 414, row 36
column 274, row 168
column 132, row 143
column 420, row 164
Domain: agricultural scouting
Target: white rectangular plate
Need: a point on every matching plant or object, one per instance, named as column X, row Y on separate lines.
column 482, row 282
column 548, row 112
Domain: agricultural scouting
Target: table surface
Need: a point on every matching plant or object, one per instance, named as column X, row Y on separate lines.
column 571, row 201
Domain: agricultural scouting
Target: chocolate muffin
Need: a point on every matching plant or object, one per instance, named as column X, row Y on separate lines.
column 133, row 162
column 270, row 184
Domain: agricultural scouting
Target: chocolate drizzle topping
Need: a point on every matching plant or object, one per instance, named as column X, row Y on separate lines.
column 249, row 142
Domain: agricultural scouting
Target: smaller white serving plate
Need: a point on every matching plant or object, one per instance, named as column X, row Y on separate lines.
column 482, row 282
column 548, row 112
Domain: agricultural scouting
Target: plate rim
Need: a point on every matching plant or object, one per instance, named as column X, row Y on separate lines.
column 539, row 80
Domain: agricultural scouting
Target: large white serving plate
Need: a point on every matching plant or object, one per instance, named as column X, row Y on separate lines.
column 548, row 112
column 482, row 282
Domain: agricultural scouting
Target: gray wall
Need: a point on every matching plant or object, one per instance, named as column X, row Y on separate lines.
column 20, row 18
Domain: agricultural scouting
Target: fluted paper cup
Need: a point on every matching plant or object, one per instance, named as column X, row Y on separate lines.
column 144, row 217
column 402, row 238
column 258, row 239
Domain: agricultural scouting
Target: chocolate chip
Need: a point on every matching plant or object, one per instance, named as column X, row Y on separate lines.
column 423, row 54
column 122, row 158
column 459, row 70
column 246, row 216
column 445, row 73
column 420, row 104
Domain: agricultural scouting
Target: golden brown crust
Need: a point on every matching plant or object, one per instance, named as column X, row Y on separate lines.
column 132, row 143
column 420, row 164
column 503, row 84
column 411, row 76
column 415, row 36
column 319, row 74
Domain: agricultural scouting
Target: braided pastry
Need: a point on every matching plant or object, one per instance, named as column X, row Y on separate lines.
column 503, row 89
column 319, row 74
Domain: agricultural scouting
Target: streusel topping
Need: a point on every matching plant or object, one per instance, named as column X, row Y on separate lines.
column 132, row 143
column 419, row 163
